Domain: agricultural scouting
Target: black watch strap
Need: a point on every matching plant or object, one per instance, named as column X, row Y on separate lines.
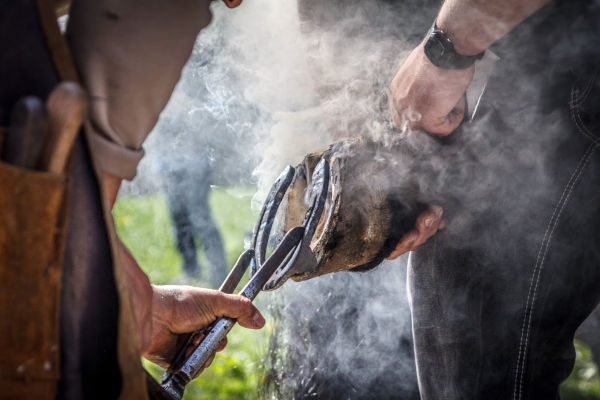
column 439, row 49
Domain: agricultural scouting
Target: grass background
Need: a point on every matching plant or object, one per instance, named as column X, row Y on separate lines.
column 145, row 226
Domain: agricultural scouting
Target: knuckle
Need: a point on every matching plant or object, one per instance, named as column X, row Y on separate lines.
column 242, row 305
column 245, row 303
column 423, row 220
column 437, row 210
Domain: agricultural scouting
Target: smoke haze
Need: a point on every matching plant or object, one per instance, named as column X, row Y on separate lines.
column 260, row 91
column 267, row 84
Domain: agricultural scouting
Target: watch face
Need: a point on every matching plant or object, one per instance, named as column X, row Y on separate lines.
column 436, row 47
column 440, row 51
column 436, row 43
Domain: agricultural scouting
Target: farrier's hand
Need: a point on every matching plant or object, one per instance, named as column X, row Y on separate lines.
column 182, row 309
column 427, row 97
column 427, row 224
column 432, row 99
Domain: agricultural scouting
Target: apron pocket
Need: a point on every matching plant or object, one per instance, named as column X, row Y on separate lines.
column 32, row 233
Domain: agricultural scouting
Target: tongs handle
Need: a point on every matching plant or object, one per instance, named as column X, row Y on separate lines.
column 228, row 286
column 174, row 381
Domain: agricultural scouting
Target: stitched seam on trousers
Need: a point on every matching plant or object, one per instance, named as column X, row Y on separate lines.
column 581, row 128
column 539, row 265
column 529, row 307
column 575, row 110
column 518, row 366
column 542, row 266
column 580, row 95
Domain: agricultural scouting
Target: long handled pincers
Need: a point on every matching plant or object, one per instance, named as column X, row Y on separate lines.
column 291, row 256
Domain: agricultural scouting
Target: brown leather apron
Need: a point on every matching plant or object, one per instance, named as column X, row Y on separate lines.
column 46, row 277
column 32, row 235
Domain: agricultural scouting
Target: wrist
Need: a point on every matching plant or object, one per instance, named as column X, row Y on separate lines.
column 439, row 49
column 473, row 25
column 462, row 44
column 468, row 32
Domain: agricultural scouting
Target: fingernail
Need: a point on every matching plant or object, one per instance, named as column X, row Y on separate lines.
column 428, row 222
column 258, row 320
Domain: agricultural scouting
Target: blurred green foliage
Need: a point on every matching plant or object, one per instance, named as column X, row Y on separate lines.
column 234, row 374
column 144, row 225
column 584, row 382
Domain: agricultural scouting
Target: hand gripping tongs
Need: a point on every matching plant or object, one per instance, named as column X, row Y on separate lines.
column 291, row 256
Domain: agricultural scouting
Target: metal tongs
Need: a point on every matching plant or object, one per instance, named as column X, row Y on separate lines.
column 291, row 256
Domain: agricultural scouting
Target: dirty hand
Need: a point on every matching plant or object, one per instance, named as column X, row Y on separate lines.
column 426, row 97
column 182, row 309
column 432, row 99
column 427, row 224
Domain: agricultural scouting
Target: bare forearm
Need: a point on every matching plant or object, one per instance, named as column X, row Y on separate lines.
column 474, row 25
column 141, row 293
column 111, row 185
column 139, row 285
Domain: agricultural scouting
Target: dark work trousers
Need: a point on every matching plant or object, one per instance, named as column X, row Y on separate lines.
column 497, row 297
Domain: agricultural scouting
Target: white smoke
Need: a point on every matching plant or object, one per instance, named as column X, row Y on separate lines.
column 261, row 90
column 275, row 88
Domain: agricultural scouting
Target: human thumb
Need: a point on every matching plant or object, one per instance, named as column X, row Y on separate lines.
column 234, row 306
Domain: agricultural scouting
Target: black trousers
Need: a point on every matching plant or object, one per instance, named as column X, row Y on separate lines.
column 496, row 298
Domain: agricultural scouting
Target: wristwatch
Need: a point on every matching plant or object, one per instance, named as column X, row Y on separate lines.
column 439, row 49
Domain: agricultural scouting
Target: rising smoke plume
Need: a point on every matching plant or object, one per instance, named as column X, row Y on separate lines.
column 263, row 87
